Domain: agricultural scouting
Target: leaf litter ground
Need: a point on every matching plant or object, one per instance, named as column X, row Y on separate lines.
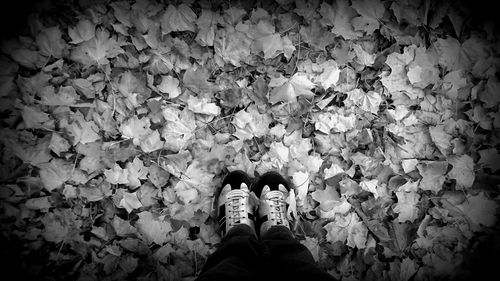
column 120, row 118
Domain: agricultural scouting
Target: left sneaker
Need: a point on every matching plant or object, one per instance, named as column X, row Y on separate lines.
column 236, row 204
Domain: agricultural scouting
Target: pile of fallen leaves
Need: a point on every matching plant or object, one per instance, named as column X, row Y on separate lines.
column 120, row 119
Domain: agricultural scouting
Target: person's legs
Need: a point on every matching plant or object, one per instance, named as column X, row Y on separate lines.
column 236, row 259
column 288, row 258
column 237, row 256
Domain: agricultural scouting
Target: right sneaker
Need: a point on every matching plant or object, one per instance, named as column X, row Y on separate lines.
column 272, row 190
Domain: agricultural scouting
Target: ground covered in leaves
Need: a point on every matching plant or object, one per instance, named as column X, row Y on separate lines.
column 120, row 119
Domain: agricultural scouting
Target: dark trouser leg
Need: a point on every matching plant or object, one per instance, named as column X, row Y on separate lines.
column 236, row 259
column 288, row 258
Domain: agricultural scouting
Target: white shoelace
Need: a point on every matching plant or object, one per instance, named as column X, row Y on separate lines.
column 277, row 207
column 236, row 207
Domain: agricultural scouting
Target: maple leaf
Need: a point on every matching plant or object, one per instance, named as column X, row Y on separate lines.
column 34, row 117
column 55, row 173
column 478, row 115
column 317, row 36
column 369, row 101
column 98, row 49
column 136, row 171
column 330, row 75
column 371, row 12
column 406, row 205
column 330, row 202
column 362, row 56
column 489, row 158
column 39, row 203
column 58, row 225
column 116, row 175
column 176, row 164
column 306, row 9
column 265, row 40
column 233, row 15
column 370, row 186
column 169, row 85
column 338, row 122
column 95, row 191
column 148, row 195
column 50, row 42
column 250, row 123
column 58, row 144
column 158, row 176
column 453, row 82
column 122, row 12
column 133, row 87
column 232, row 46
column 83, row 31
column 450, row 54
column 423, row 70
column 196, row 180
column 135, row 129
column 206, row 24
column 130, row 201
column 312, row 245
column 462, row 171
column 151, row 142
column 432, row 173
column 66, row 95
column 441, row 139
column 123, row 227
column 196, row 81
column 301, row 182
column 80, row 130
column 297, row 85
column 179, row 128
column 299, row 146
column 488, row 95
column 479, row 209
column 340, row 16
column 333, row 171
column 154, row 229
column 180, row 18
column 397, row 80
column 279, row 154
column 202, row 105
column 348, row 228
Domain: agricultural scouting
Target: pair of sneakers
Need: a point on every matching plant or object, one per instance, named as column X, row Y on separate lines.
column 259, row 205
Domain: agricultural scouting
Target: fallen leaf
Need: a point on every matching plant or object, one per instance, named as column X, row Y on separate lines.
column 441, row 139
column 169, row 85
column 180, row 18
column 479, row 209
column 130, row 201
column 202, row 106
column 206, row 23
column 98, row 49
column 370, row 186
column 462, row 171
column 301, row 182
column 83, row 31
column 55, row 173
column 371, row 12
column 406, row 206
column 58, row 144
column 432, row 173
column 39, row 203
column 50, row 42
column 154, row 229
column 82, row 131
